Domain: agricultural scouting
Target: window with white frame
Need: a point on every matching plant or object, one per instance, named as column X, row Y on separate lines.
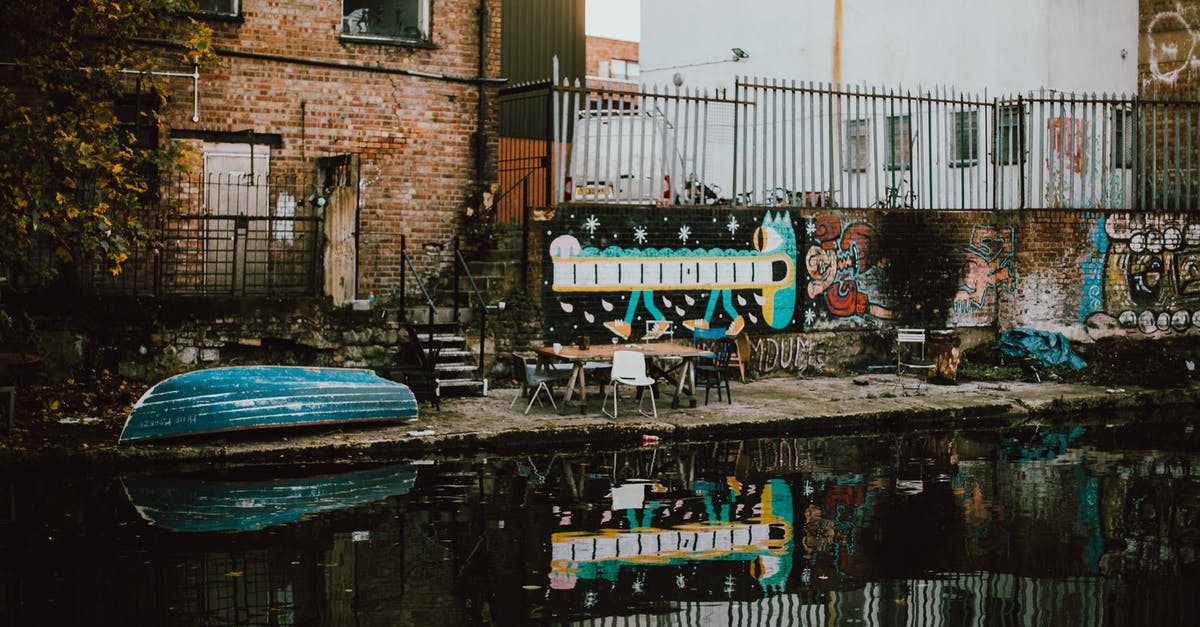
column 218, row 7
column 964, row 149
column 1122, row 141
column 899, row 143
column 1010, row 135
column 406, row 20
column 857, row 154
column 624, row 69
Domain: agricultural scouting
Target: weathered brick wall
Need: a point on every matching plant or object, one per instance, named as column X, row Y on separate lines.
column 604, row 49
column 844, row 279
column 415, row 134
column 1169, row 47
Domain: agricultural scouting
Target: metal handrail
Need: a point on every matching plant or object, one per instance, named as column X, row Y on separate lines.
column 420, row 284
column 461, row 262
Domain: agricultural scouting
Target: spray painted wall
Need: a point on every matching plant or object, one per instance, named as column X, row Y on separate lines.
column 814, row 288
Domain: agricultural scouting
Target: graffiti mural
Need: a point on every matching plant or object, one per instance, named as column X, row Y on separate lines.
column 796, row 354
column 844, row 269
column 1173, row 43
column 1151, row 274
column 751, row 273
column 989, row 266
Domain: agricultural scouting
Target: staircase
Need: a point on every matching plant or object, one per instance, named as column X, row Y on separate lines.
column 449, row 346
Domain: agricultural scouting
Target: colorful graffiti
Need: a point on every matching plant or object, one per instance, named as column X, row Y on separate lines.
column 767, row 266
column 843, row 268
column 758, row 532
column 1151, row 273
column 989, row 266
column 797, row 354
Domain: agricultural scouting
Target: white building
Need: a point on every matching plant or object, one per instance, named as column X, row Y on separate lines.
column 1002, row 46
column 886, row 103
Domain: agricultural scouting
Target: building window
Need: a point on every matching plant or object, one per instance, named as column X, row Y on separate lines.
column 899, row 143
column 624, row 69
column 1122, row 138
column 1010, row 135
column 218, row 7
column 965, row 149
column 386, row 19
column 858, row 141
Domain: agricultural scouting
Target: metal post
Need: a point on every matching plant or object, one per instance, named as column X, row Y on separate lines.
column 454, row 281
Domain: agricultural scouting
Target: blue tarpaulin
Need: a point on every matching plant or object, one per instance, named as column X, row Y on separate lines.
column 1049, row 347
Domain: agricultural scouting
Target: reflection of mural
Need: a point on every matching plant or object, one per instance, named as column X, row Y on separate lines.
column 763, row 537
column 989, row 266
column 1152, row 273
column 842, row 265
column 768, row 268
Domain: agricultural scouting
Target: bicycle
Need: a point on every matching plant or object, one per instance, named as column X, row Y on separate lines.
column 897, row 198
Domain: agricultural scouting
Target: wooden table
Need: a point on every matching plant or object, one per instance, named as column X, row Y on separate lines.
column 685, row 380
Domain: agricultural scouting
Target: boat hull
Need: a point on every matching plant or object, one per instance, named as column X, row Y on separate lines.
column 262, row 397
column 198, row 506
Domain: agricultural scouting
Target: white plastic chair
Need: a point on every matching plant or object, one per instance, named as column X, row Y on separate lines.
column 629, row 368
column 910, row 356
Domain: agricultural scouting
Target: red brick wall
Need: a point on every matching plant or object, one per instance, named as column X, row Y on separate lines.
column 414, row 134
column 602, row 49
column 1169, row 47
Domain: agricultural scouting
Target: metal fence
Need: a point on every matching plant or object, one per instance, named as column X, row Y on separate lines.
column 811, row 144
column 230, row 234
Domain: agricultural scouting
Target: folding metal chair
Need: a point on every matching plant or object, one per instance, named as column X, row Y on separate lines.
column 910, row 356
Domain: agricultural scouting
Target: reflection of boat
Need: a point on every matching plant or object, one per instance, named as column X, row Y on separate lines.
column 194, row 505
column 255, row 397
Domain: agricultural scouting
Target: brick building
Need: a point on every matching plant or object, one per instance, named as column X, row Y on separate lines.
column 392, row 101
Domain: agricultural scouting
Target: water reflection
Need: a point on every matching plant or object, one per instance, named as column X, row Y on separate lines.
column 1071, row 525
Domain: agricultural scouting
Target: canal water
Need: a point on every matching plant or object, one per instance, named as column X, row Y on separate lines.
column 1075, row 524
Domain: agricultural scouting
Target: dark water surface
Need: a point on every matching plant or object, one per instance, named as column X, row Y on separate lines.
column 1069, row 525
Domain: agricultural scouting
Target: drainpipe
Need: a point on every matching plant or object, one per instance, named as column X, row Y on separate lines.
column 481, row 133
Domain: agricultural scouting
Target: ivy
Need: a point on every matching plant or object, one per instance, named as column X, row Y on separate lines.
column 72, row 181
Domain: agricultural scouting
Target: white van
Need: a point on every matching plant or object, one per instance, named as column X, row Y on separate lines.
column 623, row 157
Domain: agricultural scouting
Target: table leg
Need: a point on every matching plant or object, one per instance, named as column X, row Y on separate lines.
column 682, row 382
column 576, row 376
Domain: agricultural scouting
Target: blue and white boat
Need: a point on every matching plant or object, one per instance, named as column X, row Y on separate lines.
column 198, row 506
column 259, row 397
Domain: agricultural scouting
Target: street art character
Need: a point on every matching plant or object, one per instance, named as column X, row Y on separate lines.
column 1152, row 272
column 838, row 262
column 989, row 266
column 769, row 268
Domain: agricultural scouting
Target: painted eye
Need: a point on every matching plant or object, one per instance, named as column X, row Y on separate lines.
column 766, row 239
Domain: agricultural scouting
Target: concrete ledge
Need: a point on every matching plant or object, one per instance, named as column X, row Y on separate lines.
column 868, row 405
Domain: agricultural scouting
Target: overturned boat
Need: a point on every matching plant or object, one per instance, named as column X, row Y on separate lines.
column 240, row 398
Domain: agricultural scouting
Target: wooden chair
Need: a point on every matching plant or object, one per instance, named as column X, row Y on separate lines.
column 739, row 357
column 910, row 356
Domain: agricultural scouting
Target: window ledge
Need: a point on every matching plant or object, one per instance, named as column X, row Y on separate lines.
column 898, row 167
column 387, row 41
column 964, row 163
column 218, row 17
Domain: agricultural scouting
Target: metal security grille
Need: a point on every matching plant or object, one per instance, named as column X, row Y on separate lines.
column 233, row 235
column 770, row 142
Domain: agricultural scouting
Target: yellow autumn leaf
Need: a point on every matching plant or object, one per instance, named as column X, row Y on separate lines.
column 53, row 405
column 117, row 168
